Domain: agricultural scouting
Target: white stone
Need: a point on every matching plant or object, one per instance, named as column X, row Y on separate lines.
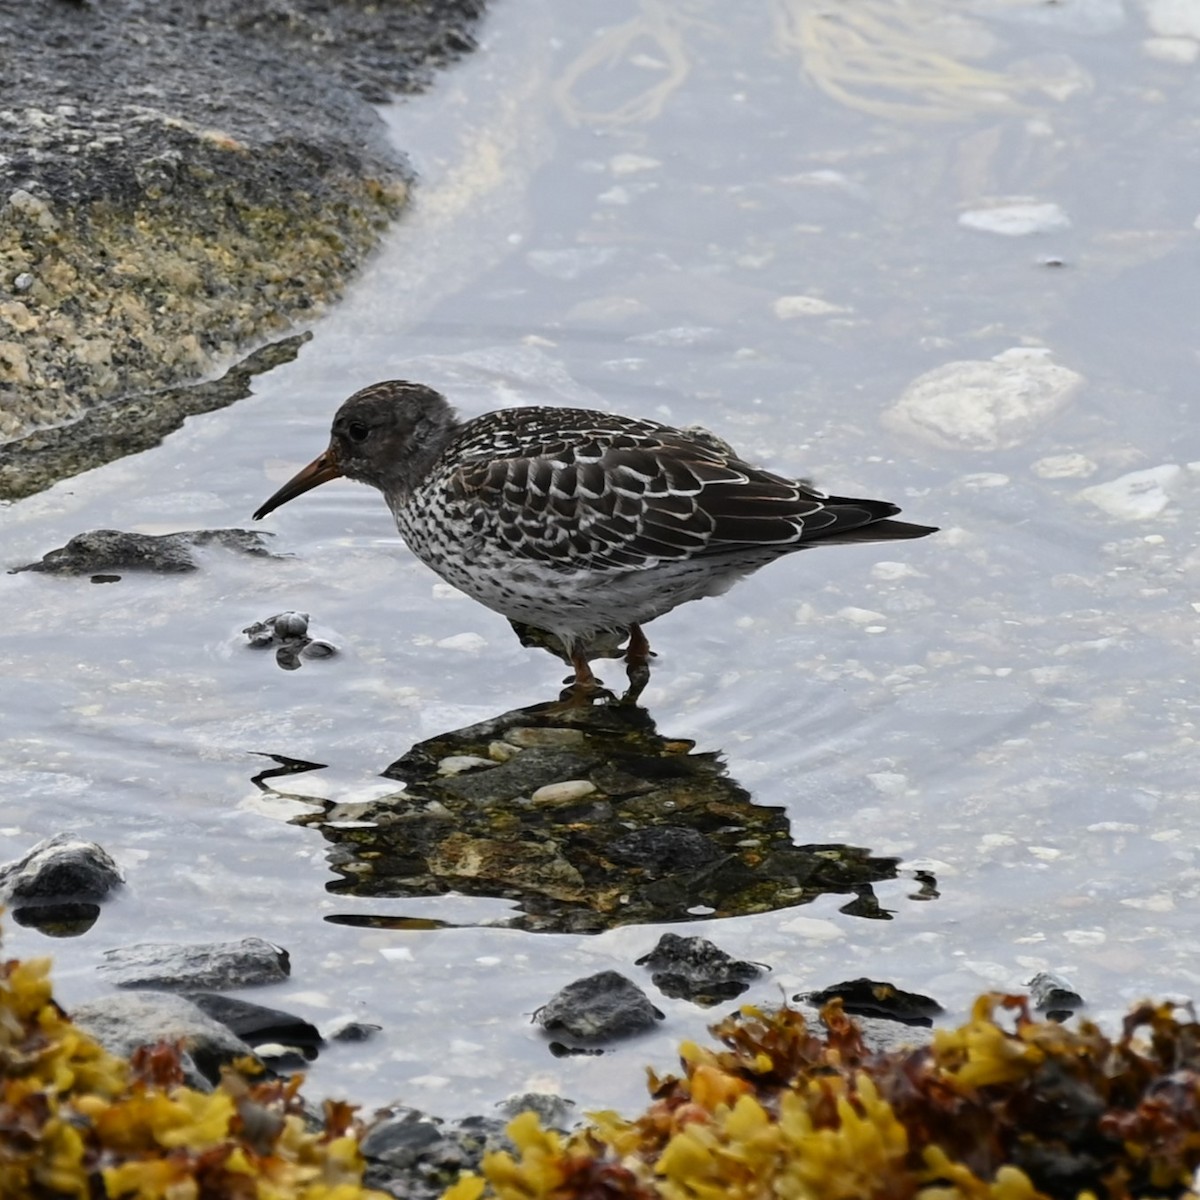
column 1181, row 51
column 1138, row 496
column 813, row 929
column 564, row 792
column 1016, row 218
column 630, row 164
column 990, row 404
column 891, row 571
column 467, row 643
column 1064, row 466
column 788, row 307
column 456, row 764
column 860, row 616
column 890, row 783
column 1173, row 18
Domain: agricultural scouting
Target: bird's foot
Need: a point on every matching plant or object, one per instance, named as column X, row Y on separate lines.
column 585, row 689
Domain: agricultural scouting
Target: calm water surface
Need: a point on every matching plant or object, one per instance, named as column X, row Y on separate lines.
column 699, row 213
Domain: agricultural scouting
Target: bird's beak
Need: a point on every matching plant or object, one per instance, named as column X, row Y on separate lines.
column 320, row 470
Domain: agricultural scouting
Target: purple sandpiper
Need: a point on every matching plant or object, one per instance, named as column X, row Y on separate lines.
column 581, row 524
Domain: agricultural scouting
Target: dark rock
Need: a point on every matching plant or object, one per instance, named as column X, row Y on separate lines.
column 164, row 554
column 869, row 998
column 123, row 1024
column 58, row 919
column 663, row 848
column 692, row 968
column 553, row 1112
column 417, row 1157
column 1054, row 995
column 601, row 1007
column 351, row 1031
column 256, row 1024
column 60, row 868
column 200, row 965
column 287, row 634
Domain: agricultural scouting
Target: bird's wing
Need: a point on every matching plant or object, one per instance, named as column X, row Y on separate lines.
column 629, row 498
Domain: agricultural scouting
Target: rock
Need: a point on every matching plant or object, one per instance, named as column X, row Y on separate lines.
column 663, row 848
column 1064, row 466
column 553, row 1112
column 164, row 554
column 693, row 968
column 1173, row 18
column 601, row 1007
column 1016, row 218
column 563, row 792
column 418, row 1157
column 1138, row 496
column 1054, row 995
column 257, row 1024
column 153, row 145
column 993, row 404
column 217, row 965
column 124, row 1024
column 287, row 634
column 347, row 1029
column 788, row 308
column 62, row 867
column 883, row 1001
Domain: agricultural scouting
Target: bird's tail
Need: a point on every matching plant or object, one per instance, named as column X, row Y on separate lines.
column 883, row 531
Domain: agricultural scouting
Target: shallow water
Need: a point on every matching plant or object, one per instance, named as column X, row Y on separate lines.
column 1010, row 704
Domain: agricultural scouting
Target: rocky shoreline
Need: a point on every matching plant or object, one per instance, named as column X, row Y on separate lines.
column 180, row 184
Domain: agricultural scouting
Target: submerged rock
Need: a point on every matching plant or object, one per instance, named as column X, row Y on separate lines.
column 62, row 867
column 693, row 968
column 102, row 550
column 124, row 1024
column 215, row 965
column 600, row 1008
column 993, row 404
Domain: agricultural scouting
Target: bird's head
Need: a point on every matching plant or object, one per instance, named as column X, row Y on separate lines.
column 386, row 435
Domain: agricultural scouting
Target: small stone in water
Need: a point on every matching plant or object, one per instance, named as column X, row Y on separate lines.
column 290, row 624
column 456, row 764
column 1137, row 496
column 561, row 793
column 319, row 649
column 1016, row 218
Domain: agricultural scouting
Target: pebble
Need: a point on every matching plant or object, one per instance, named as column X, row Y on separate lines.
column 456, row 764
column 1180, row 51
column 1138, row 496
column 788, row 307
column 468, row 643
column 564, row 792
column 630, row 164
column 501, row 752
column 1173, row 18
column 1064, row 466
column 860, row 616
column 987, row 404
column 1016, row 218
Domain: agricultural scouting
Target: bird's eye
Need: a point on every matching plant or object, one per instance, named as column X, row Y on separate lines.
column 358, row 431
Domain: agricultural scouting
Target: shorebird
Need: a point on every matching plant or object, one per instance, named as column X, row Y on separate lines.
column 581, row 524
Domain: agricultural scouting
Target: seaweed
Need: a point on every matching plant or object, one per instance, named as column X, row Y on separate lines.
column 1005, row 1107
